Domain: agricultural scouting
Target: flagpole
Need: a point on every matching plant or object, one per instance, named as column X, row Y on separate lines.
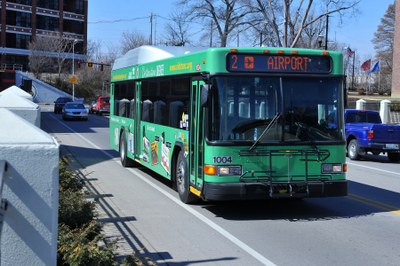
column 352, row 77
column 379, row 77
column 379, row 80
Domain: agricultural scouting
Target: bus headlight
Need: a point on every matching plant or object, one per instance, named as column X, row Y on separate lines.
column 229, row 170
column 222, row 170
column 333, row 168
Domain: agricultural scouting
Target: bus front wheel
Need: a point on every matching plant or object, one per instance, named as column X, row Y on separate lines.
column 182, row 180
column 125, row 160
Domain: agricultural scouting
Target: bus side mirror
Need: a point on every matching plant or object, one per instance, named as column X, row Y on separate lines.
column 204, row 94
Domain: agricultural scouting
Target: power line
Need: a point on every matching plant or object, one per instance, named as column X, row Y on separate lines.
column 117, row 20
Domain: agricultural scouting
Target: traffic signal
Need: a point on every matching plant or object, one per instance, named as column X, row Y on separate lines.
column 90, row 64
column 78, row 63
column 101, row 67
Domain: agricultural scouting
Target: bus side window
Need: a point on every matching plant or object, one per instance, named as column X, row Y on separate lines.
column 176, row 110
column 147, row 114
column 132, row 109
column 116, row 107
column 123, row 107
column 160, row 112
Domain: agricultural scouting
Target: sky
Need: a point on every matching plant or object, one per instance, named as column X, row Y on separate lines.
column 108, row 20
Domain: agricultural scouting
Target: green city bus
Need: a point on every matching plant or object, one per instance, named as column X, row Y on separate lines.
column 232, row 124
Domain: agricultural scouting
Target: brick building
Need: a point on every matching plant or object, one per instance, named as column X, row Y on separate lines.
column 396, row 55
column 22, row 20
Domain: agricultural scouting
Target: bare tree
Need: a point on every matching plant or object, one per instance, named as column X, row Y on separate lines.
column 48, row 53
column 177, row 30
column 226, row 15
column 288, row 19
column 93, row 81
column 131, row 40
column 38, row 62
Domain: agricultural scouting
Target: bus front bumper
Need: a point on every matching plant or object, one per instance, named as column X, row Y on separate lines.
column 258, row 190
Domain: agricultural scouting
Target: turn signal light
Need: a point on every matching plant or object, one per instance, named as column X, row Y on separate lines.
column 210, row 170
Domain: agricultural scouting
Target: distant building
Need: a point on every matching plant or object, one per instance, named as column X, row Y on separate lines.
column 22, row 20
column 396, row 54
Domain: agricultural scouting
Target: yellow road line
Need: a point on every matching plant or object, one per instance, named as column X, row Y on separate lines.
column 376, row 204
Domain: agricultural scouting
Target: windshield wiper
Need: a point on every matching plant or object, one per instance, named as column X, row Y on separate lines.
column 267, row 128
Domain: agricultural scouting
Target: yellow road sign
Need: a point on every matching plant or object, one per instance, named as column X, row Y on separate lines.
column 73, row 79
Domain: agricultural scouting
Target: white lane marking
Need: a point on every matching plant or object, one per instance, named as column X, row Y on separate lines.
column 210, row 223
column 373, row 168
column 198, row 215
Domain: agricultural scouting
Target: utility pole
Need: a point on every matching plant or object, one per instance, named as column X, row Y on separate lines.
column 211, row 33
column 151, row 28
column 352, row 77
column 73, row 68
column 155, row 30
column 326, row 32
column 285, row 24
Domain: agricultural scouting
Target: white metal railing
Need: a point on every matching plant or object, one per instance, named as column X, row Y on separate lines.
column 16, row 67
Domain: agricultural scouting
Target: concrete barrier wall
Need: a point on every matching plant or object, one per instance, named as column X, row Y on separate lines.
column 23, row 107
column 18, row 91
column 29, row 232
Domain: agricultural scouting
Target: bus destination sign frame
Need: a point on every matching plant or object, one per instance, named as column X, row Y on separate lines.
column 278, row 63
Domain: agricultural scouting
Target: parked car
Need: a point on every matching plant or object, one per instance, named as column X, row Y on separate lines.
column 74, row 110
column 366, row 133
column 59, row 104
column 92, row 104
column 102, row 105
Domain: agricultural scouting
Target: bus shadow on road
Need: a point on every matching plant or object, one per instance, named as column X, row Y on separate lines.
column 363, row 200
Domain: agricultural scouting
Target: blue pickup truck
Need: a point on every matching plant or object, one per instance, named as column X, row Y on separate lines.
column 366, row 133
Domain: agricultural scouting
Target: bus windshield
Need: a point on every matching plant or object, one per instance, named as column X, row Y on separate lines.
column 265, row 110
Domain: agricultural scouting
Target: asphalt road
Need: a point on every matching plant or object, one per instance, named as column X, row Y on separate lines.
column 147, row 217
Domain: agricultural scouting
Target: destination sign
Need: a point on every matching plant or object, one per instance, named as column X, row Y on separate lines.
column 276, row 63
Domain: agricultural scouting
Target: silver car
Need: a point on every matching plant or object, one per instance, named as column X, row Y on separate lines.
column 74, row 110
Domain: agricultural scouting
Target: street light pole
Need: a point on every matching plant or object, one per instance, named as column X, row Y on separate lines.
column 326, row 32
column 73, row 68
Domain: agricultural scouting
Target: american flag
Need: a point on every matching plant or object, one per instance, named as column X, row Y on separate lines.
column 366, row 66
column 349, row 52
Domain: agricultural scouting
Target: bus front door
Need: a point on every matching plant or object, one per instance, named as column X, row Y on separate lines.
column 137, row 115
column 196, row 139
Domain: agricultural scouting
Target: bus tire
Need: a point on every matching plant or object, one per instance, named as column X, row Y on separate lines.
column 182, row 180
column 125, row 160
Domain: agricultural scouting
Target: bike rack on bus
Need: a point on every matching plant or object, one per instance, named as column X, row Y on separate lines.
column 292, row 188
